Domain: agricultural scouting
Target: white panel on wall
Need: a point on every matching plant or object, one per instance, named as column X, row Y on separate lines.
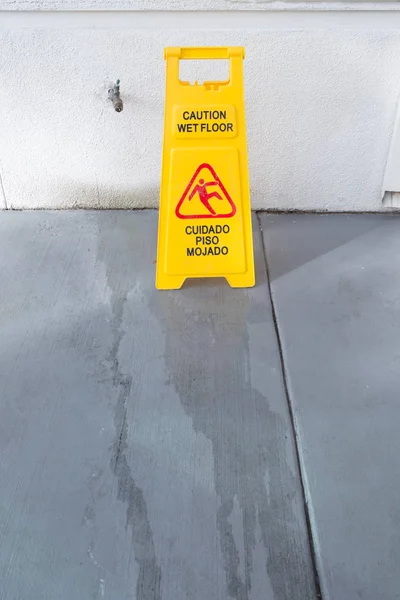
column 2, row 196
column 391, row 181
column 320, row 111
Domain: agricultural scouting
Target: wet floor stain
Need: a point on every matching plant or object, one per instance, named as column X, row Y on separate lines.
column 148, row 586
column 208, row 359
column 205, row 329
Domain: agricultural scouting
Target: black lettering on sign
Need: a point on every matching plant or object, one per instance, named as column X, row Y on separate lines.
column 206, row 240
column 211, row 250
column 216, row 122
column 206, row 245
column 187, row 127
column 204, row 115
column 204, row 229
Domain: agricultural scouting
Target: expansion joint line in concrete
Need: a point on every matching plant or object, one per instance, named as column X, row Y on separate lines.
column 306, row 500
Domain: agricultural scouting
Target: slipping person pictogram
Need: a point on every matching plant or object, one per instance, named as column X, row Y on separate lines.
column 203, row 187
column 205, row 196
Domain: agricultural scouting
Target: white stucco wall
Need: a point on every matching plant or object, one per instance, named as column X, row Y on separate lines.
column 321, row 104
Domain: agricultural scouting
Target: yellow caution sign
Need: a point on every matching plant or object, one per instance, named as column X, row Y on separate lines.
column 205, row 219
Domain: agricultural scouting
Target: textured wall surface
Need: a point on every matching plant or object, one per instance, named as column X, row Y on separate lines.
column 320, row 110
column 61, row 5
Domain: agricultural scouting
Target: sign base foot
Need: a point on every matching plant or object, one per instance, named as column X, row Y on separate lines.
column 175, row 282
column 241, row 281
column 169, row 282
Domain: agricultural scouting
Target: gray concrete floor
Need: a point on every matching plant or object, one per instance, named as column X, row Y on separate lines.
column 205, row 443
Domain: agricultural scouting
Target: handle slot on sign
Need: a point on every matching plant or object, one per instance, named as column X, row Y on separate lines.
column 207, row 72
column 235, row 56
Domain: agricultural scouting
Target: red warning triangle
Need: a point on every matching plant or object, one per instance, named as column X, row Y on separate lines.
column 205, row 197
